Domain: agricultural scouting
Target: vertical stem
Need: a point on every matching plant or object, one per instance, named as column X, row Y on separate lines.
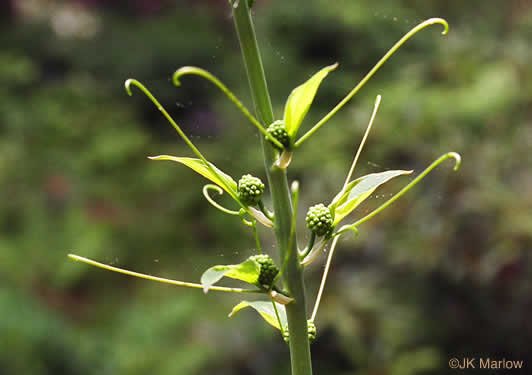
column 293, row 276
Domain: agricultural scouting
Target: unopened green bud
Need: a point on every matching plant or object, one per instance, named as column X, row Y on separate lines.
column 311, row 330
column 250, row 189
column 319, row 219
column 268, row 269
column 278, row 131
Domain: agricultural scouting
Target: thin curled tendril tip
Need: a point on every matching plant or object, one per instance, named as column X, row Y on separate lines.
column 218, row 206
column 441, row 21
column 127, row 85
column 457, row 159
column 211, row 78
column 367, row 77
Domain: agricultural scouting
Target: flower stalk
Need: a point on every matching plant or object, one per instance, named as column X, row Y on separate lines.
column 282, row 205
column 286, row 309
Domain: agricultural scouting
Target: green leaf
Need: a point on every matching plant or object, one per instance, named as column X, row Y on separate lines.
column 301, row 98
column 247, row 271
column 359, row 190
column 218, row 177
column 266, row 310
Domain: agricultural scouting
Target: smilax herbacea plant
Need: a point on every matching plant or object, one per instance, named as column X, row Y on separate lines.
column 282, row 285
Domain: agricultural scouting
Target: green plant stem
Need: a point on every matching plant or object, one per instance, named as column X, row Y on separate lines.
column 324, row 279
column 256, row 235
column 309, row 247
column 277, row 316
column 295, row 200
column 265, row 211
column 293, row 276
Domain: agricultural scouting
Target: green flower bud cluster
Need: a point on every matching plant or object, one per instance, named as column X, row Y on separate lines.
column 268, row 269
column 319, row 219
column 250, row 189
column 278, row 131
column 311, row 329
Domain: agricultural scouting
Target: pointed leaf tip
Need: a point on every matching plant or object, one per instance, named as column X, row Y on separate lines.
column 301, row 98
column 221, row 179
column 359, row 190
column 266, row 311
column 247, row 271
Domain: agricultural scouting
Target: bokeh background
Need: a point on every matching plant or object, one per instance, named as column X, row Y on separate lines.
column 445, row 272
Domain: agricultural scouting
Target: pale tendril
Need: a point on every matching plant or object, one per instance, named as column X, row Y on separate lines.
column 354, row 226
column 150, row 96
column 159, row 279
column 211, row 78
column 370, row 74
column 220, row 191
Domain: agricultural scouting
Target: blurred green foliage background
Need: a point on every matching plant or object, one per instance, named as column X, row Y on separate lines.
column 445, row 272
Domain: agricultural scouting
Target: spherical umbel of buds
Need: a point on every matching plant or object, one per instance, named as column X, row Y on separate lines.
column 250, row 189
column 278, row 131
column 268, row 269
column 319, row 219
column 311, row 329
